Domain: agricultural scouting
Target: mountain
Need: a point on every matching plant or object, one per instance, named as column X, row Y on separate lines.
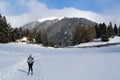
column 41, row 23
column 59, row 30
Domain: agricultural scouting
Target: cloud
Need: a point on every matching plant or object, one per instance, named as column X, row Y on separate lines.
column 3, row 7
column 37, row 10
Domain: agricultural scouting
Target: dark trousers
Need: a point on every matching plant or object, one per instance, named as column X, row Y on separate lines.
column 30, row 68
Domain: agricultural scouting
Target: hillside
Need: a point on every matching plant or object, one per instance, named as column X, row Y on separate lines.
column 59, row 30
column 54, row 22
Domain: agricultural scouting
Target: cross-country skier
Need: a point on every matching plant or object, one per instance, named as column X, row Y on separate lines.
column 30, row 62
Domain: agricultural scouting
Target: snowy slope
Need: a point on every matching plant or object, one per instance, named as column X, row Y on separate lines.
column 49, row 18
column 59, row 64
column 97, row 42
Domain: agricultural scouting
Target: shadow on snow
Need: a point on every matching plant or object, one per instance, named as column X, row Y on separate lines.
column 21, row 70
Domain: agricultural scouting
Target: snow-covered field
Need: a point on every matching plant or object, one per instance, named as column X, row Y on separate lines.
column 59, row 64
column 97, row 42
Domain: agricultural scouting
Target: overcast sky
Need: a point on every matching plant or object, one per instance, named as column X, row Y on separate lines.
column 20, row 12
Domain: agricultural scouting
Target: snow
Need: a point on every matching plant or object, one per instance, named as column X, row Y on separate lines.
column 24, row 39
column 95, row 42
column 59, row 63
column 58, row 18
column 49, row 18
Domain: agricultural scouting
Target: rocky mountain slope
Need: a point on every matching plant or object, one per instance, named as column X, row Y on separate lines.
column 59, row 30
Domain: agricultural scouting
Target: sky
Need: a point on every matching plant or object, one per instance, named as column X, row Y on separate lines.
column 20, row 12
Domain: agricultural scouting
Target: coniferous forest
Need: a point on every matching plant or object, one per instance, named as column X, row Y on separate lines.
column 9, row 34
column 81, row 33
column 5, row 30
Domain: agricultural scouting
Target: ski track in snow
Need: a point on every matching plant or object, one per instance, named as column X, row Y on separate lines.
column 18, row 71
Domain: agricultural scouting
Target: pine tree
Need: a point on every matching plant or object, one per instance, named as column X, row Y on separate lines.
column 104, row 34
column 38, row 38
column 100, row 29
column 4, row 19
column 15, row 34
column 4, row 30
column 97, row 29
column 27, row 32
column 0, row 16
column 21, row 32
column 115, row 29
column 110, row 30
column 119, row 31
column 12, row 39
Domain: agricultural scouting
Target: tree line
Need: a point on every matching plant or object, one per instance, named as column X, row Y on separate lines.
column 81, row 33
column 9, row 34
column 84, row 34
column 5, row 30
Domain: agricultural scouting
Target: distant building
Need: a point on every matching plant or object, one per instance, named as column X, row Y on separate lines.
column 23, row 40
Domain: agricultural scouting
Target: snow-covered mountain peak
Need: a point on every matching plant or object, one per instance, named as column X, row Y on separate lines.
column 50, row 18
column 56, row 18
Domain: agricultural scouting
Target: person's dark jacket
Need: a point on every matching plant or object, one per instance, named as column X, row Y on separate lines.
column 30, row 60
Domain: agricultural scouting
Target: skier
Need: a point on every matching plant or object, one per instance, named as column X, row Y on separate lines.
column 30, row 62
